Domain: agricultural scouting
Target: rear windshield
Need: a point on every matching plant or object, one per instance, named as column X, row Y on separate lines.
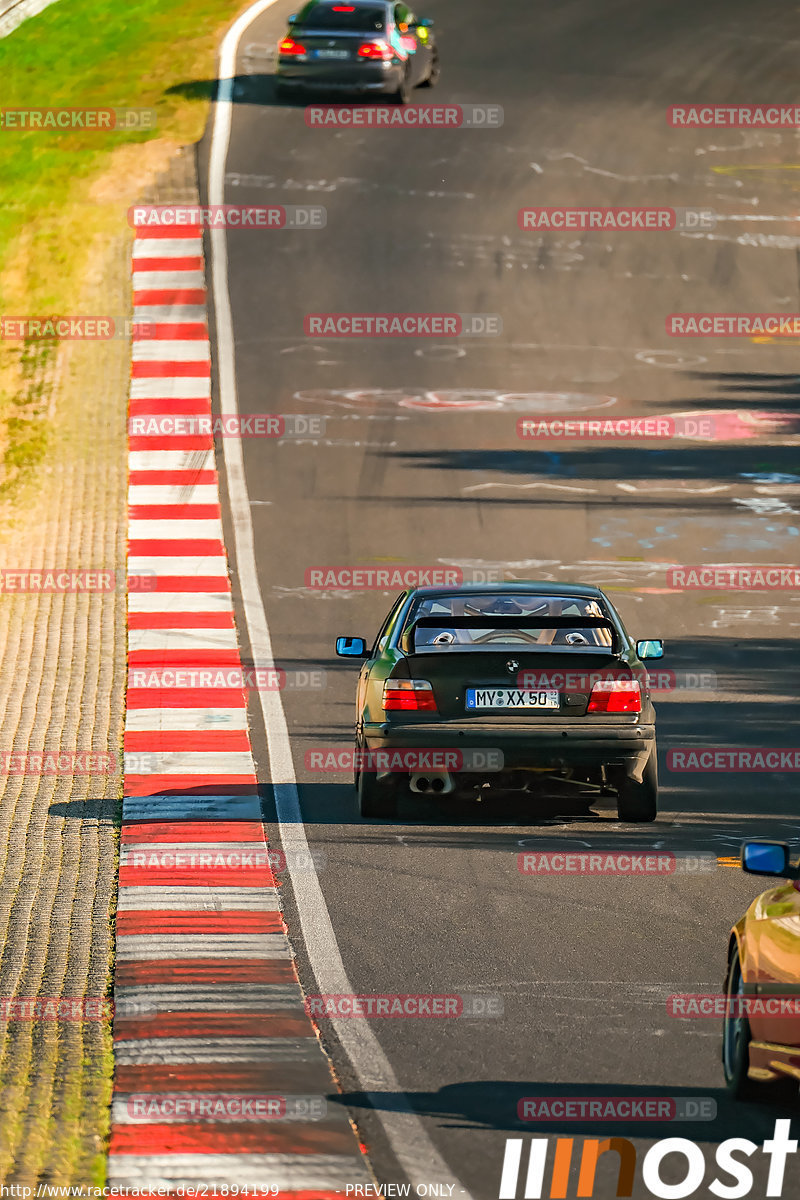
column 507, row 605
column 360, row 18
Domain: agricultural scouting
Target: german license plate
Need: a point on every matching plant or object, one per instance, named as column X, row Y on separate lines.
column 333, row 54
column 510, row 698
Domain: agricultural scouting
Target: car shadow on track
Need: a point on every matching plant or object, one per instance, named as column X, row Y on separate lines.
column 261, row 88
column 337, row 804
column 496, row 1104
column 521, row 825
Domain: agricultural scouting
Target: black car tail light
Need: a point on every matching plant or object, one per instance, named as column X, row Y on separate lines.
column 290, row 47
column 408, row 695
column 616, row 696
column 380, row 49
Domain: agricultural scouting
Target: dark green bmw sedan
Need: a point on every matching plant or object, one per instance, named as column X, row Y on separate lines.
column 491, row 686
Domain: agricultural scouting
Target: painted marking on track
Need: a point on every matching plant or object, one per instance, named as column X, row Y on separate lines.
column 444, row 400
column 567, row 155
column 529, row 487
column 728, row 170
column 669, row 358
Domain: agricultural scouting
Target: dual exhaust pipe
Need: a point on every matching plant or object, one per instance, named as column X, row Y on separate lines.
column 438, row 782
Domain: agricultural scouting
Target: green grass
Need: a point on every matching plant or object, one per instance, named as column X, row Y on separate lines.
column 64, row 195
column 93, row 54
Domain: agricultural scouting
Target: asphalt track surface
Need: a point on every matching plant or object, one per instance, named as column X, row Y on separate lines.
column 427, row 221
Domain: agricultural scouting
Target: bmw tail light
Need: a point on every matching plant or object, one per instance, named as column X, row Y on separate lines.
column 381, row 50
column 408, row 695
column 290, row 47
column 615, row 696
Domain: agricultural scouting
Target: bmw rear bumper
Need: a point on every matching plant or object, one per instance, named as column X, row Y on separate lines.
column 555, row 746
column 370, row 78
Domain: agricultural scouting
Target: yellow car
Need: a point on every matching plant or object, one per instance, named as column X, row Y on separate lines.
column 761, row 1035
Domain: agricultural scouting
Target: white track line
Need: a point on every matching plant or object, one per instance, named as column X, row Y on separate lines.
column 165, row 602
column 171, row 350
column 415, row 1152
column 177, row 247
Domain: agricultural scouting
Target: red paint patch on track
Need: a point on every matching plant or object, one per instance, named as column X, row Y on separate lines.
column 188, row 263
column 168, row 231
column 193, row 831
column 210, row 921
column 260, row 876
column 139, row 697
column 181, row 620
column 170, row 441
column 174, row 512
column 169, row 659
column 252, row 1137
column 175, row 547
column 183, row 583
column 157, row 368
column 215, row 1025
column 188, row 739
column 176, row 791
column 169, row 295
column 185, row 479
column 203, row 970
column 157, row 785
column 170, row 406
column 221, row 1077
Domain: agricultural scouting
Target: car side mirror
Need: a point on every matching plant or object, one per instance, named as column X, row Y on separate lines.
column 768, row 858
column 290, row 20
column 650, row 648
column 351, row 647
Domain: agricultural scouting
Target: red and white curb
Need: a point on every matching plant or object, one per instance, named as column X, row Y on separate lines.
column 220, row 1078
